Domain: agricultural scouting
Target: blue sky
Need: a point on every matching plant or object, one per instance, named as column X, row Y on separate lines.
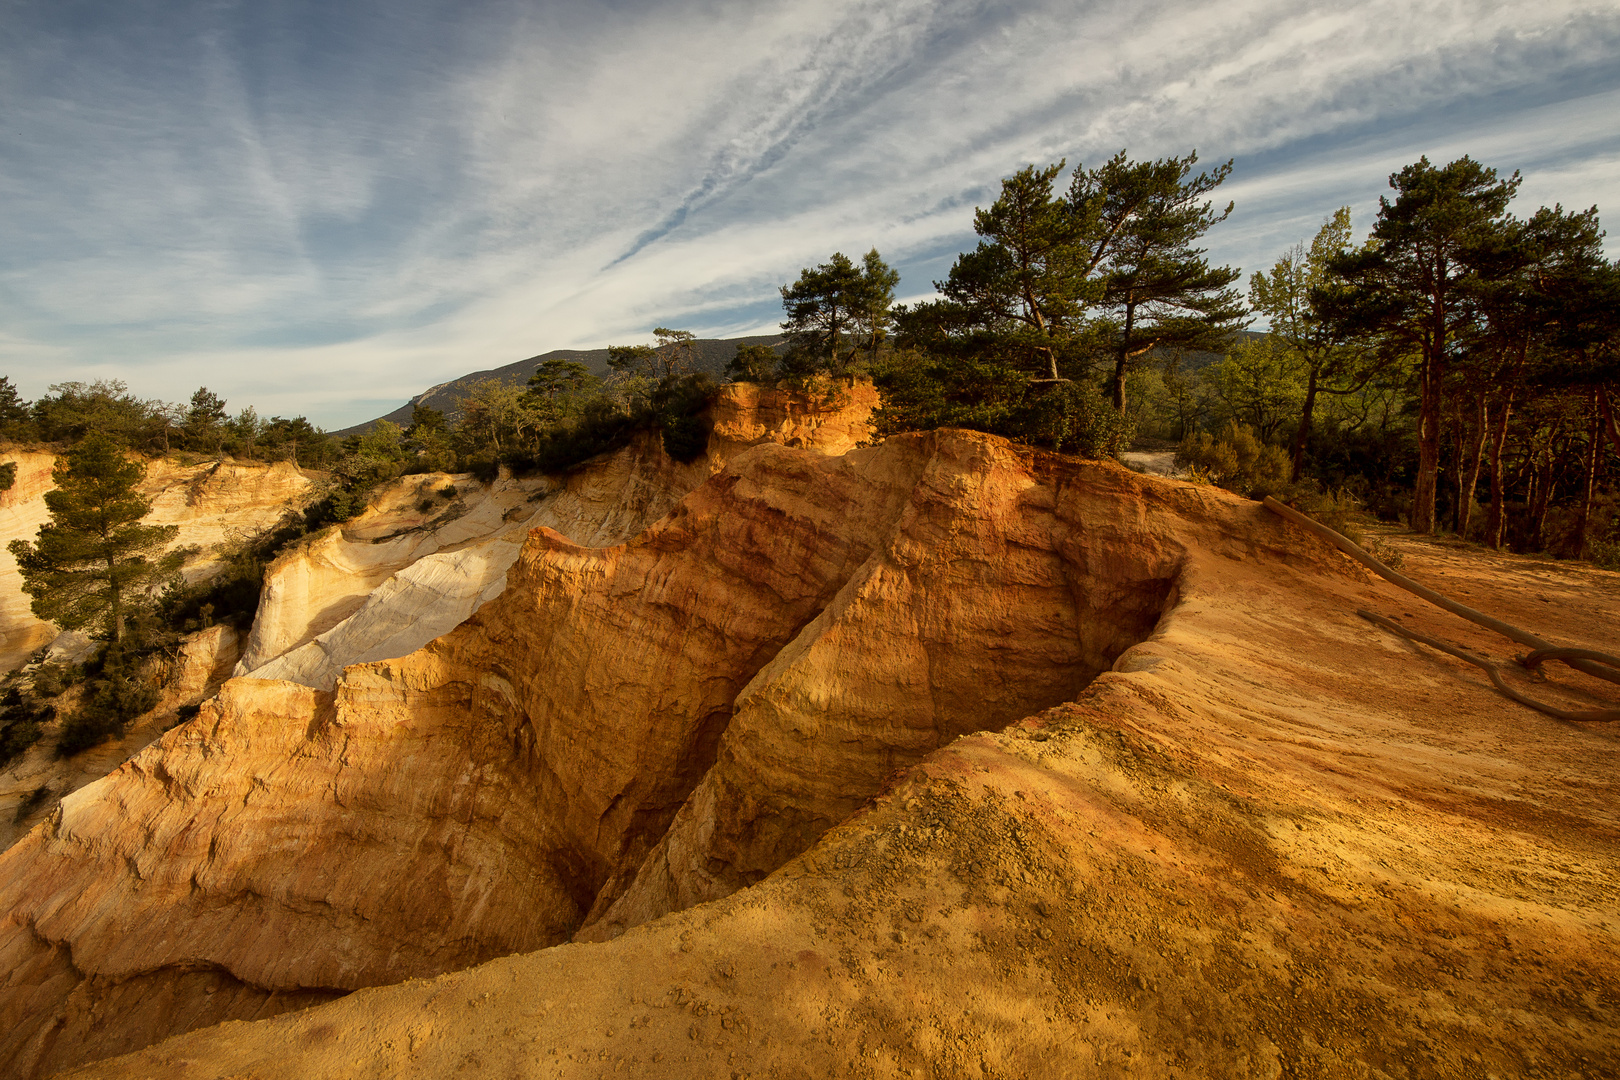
column 325, row 207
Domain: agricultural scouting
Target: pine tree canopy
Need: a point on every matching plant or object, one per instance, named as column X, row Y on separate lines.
column 94, row 560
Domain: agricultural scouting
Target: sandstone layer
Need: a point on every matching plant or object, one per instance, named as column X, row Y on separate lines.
column 1229, row 830
column 430, row 550
column 22, row 512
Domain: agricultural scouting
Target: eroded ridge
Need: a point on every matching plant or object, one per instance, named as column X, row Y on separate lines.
column 749, row 669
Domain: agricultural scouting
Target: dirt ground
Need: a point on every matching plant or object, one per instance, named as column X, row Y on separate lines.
column 1274, row 841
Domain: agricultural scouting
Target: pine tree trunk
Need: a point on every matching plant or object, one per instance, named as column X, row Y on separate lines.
column 1120, row 359
column 1302, row 436
column 1496, row 522
column 1470, row 478
column 1542, row 497
column 1606, row 410
column 1429, row 415
column 1454, row 408
column 117, row 607
column 1594, row 454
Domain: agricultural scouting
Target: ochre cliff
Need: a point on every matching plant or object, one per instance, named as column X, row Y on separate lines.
column 482, row 795
column 1228, row 830
column 430, row 550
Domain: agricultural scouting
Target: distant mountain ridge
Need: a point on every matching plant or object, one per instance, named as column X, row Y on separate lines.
column 710, row 354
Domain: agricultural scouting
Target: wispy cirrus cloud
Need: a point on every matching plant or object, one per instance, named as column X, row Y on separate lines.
column 324, row 208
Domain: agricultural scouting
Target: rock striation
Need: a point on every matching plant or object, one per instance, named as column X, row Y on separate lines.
column 486, row 794
column 431, row 550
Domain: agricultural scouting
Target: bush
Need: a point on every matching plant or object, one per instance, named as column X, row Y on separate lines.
column 20, row 721
column 1075, row 418
column 1236, row 460
column 922, row 392
column 1605, row 554
column 1335, row 509
column 51, row 679
column 114, row 700
column 681, row 407
column 232, row 595
column 115, row 694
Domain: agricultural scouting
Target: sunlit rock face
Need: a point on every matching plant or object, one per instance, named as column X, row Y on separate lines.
column 938, row 756
column 430, row 550
column 753, row 664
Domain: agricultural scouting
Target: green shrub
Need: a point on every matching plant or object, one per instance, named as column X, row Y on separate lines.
column 681, row 408
column 107, row 710
column 1333, row 508
column 51, row 679
column 1237, row 460
column 8, row 475
column 115, row 694
column 1075, row 418
column 232, row 595
column 20, row 721
column 1605, row 554
column 922, row 392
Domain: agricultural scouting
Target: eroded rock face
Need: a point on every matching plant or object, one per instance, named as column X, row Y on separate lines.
column 750, row 667
column 1271, row 841
column 22, row 512
column 420, row 560
column 32, row 785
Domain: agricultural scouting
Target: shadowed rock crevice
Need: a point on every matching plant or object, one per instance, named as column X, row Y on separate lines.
column 110, row 1015
column 912, row 653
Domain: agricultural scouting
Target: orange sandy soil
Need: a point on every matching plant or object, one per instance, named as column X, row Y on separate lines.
column 1274, row 841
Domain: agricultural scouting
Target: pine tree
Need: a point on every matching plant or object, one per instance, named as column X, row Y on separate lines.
column 1330, row 362
column 1432, row 252
column 14, row 414
column 205, row 419
column 1026, row 282
column 1158, row 290
column 824, row 311
column 93, row 562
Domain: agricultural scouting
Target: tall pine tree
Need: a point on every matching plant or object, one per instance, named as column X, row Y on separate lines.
column 94, row 561
column 1419, row 282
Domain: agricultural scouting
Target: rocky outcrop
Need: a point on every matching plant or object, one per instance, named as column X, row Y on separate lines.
column 1271, row 840
column 483, row 795
column 431, row 550
column 1228, row 828
column 214, row 500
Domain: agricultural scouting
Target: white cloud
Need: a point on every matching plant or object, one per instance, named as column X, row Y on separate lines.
column 459, row 194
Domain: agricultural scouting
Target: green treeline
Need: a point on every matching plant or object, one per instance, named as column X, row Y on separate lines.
column 1456, row 369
